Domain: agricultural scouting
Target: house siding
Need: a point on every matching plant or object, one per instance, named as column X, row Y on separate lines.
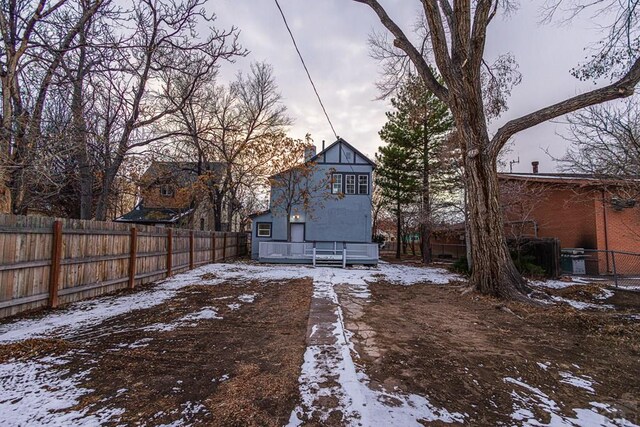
column 330, row 218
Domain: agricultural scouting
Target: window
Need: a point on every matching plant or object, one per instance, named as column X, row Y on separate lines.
column 201, row 224
column 363, row 184
column 263, row 229
column 166, row 190
column 336, row 183
column 351, row 184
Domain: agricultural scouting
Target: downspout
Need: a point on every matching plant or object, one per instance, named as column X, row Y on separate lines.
column 606, row 233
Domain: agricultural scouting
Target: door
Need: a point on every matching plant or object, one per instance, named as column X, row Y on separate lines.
column 297, row 232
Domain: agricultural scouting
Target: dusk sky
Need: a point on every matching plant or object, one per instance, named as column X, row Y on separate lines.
column 332, row 36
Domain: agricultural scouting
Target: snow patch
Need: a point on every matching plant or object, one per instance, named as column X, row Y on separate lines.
column 203, row 314
column 206, row 313
column 528, row 397
column 582, row 382
column 579, row 305
column 39, row 392
column 359, row 403
column 248, row 298
column 86, row 313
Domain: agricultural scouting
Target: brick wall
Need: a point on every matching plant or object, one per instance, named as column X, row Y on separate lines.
column 565, row 213
column 622, row 234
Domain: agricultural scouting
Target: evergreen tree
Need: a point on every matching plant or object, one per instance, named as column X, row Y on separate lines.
column 419, row 127
column 397, row 180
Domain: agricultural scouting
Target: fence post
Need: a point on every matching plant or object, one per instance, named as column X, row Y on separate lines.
column 191, row 250
column 615, row 272
column 56, row 255
column 213, row 246
column 224, row 247
column 169, row 251
column 132, row 257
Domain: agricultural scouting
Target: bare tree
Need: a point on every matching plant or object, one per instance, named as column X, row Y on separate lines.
column 240, row 126
column 164, row 66
column 34, row 45
column 605, row 140
column 456, row 34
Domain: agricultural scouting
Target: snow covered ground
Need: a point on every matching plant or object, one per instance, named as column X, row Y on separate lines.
column 329, row 368
column 33, row 394
column 82, row 314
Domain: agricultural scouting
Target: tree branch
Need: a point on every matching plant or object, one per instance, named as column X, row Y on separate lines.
column 620, row 89
column 402, row 42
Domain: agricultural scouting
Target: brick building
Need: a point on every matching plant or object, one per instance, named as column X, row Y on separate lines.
column 582, row 211
column 171, row 194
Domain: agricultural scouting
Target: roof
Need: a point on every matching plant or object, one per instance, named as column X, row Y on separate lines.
column 580, row 179
column 342, row 141
column 181, row 173
column 142, row 215
column 314, row 158
column 257, row 214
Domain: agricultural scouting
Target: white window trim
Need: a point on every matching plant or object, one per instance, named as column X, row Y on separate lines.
column 259, row 233
column 336, row 184
column 346, row 186
column 365, row 184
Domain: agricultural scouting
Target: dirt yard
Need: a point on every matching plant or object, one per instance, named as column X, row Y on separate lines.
column 499, row 363
column 223, row 355
column 263, row 345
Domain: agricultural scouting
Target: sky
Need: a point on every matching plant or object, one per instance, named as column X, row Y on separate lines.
column 332, row 36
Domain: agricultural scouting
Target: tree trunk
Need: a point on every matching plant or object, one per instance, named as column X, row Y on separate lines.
column 493, row 270
column 104, row 197
column 467, row 232
column 79, row 136
column 217, row 210
column 398, row 230
column 425, row 223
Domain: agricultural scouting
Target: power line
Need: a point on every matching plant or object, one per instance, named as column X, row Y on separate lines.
column 305, row 68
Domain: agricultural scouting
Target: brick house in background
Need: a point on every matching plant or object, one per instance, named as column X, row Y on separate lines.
column 171, row 194
column 581, row 210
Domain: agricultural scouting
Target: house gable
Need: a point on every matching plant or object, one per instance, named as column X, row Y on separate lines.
column 341, row 152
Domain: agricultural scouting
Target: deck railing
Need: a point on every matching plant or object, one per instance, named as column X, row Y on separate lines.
column 286, row 250
column 320, row 251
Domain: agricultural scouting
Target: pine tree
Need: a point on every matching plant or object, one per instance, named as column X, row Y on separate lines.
column 418, row 127
column 397, row 180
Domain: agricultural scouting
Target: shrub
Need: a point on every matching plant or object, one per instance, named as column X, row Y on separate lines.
column 461, row 266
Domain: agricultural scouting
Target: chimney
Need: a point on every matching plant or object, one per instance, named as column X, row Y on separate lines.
column 535, row 166
column 323, row 145
column 309, row 152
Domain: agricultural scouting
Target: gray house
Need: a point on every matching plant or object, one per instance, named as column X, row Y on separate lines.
column 319, row 212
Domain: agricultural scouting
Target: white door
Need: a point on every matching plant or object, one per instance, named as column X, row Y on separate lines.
column 297, row 232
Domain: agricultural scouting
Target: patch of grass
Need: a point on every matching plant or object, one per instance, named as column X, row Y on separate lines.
column 33, row 348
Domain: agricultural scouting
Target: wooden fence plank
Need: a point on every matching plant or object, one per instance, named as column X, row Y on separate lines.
column 169, row 251
column 56, row 255
column 224, row 246
column 132, row 257
column 191, row 242
column 213, row 246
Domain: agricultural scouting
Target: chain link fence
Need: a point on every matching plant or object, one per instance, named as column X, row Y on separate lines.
column 618, row 268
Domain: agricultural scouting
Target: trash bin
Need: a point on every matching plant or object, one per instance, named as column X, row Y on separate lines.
column 572, row 261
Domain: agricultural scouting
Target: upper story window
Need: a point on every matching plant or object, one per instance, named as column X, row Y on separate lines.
column 363, row 184
column 336, row 183
column 166, row 190
column 350, row 187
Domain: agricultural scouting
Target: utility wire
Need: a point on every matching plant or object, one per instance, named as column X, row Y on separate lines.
column 305, row 68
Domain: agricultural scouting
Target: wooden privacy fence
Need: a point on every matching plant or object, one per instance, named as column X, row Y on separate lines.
column 48, row 261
